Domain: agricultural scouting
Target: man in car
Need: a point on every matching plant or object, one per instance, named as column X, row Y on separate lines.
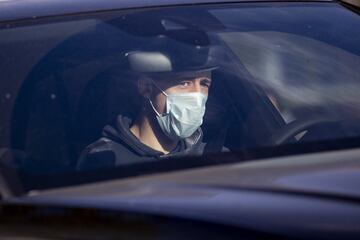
column 168, row 124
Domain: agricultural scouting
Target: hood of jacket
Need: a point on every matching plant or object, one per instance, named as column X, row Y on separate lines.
column 121, row 133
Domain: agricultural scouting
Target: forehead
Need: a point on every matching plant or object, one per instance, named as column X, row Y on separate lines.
column 183, row 76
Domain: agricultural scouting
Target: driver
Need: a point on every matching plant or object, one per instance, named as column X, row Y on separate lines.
column 168, row 124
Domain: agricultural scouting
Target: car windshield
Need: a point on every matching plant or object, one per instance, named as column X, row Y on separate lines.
column 176, row 86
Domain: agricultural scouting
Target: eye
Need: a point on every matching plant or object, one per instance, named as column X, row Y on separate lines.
column 205, row 85
column 185, row 83
column 206, row 82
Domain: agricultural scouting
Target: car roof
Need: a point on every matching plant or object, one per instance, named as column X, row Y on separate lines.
column 12, row 10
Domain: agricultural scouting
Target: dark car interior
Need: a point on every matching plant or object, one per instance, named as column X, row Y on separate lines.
column 68, row 98
column 41, row 120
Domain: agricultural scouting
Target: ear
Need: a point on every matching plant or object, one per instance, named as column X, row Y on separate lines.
column 145, row 87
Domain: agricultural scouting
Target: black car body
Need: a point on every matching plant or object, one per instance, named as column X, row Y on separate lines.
column 267, row 185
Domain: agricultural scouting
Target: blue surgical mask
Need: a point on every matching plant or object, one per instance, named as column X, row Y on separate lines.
column 184, row 114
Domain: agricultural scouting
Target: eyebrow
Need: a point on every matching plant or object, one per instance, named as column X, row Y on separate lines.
column 194, row 77
column 206, row 79
column 179, row 79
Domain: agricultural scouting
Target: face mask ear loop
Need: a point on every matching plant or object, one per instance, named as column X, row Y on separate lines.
column 159, row 88
column 152, row 105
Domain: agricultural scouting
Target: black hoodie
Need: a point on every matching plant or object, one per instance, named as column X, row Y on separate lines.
column 118, row 146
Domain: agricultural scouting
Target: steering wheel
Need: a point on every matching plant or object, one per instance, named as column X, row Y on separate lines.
column 290, row 130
